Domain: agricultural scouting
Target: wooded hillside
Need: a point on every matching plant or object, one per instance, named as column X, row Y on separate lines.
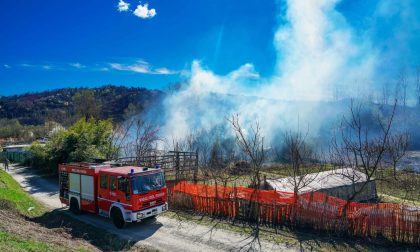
column 65, row 105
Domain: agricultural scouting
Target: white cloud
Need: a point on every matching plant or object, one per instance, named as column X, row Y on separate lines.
column 7, row 66
column 123, row 6
column 77, row 65
column 45, row 67
column 164, row 70
column 117, row 66
column 143, row 11
column 138, row 67
column 141, row 66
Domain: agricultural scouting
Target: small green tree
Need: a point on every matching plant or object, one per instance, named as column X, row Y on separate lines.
column 85, row 141
column 38, row 158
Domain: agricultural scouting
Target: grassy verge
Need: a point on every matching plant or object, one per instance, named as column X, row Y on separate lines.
column 11, row 192
column 13, row 243
column 305, row 240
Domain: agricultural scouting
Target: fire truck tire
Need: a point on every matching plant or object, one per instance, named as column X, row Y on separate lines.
column 74, row 206
column 117, row 217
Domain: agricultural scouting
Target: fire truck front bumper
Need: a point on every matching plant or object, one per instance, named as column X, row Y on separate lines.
column 138, row 216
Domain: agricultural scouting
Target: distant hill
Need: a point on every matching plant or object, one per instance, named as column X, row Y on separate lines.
column 59, row 105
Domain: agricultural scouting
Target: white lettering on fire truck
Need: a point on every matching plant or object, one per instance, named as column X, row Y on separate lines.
column 151, row 197
column 78, row 171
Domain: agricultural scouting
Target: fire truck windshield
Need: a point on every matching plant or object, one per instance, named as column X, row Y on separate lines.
column 142, row 184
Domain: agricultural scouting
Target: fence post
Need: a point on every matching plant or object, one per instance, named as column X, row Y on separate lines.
column 195, row 174
column 275, row 215
column 323, row 211
column 236, row 204
column 177, row 176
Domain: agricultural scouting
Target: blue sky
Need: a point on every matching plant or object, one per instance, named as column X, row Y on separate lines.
column 52, row 44
column 41, row 39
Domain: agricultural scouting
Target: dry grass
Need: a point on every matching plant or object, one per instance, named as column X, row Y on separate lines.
column 403, row 188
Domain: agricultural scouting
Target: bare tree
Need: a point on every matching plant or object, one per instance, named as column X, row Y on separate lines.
column 386, row 93
column 219, row 168
column 214, row 151
column 144, row 136
column 189, row 143
column 401, row 88
column 252, row 145
column 360, row 147
column 251, row 142
column 302, row 161
column 397, row 148
column 117, row 139
column 200, row 141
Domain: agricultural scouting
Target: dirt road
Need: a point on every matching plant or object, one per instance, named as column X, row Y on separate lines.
column 165, row 234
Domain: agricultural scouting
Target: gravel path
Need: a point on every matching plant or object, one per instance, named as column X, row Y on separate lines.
column 165, row 234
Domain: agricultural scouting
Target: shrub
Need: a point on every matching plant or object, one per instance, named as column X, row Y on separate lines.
column 85, row 141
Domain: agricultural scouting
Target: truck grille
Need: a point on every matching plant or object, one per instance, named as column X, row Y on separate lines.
column 152, row 203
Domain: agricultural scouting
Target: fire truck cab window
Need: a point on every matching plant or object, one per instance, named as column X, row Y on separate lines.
column 146, row 183
column 113, row 183
column 104, row 181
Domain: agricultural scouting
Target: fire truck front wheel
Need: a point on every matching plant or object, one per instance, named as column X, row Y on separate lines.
column 74, row 206
column 117, row 217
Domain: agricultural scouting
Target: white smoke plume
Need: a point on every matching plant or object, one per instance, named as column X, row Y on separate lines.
column 317, row 50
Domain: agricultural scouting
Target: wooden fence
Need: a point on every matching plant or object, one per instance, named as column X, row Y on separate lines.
column 315, row 210
column 178, row 165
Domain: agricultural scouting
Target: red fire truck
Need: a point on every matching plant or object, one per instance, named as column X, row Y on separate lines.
column 124, row 194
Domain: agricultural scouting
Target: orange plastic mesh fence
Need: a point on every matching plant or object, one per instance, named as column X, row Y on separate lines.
column 393, row 221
